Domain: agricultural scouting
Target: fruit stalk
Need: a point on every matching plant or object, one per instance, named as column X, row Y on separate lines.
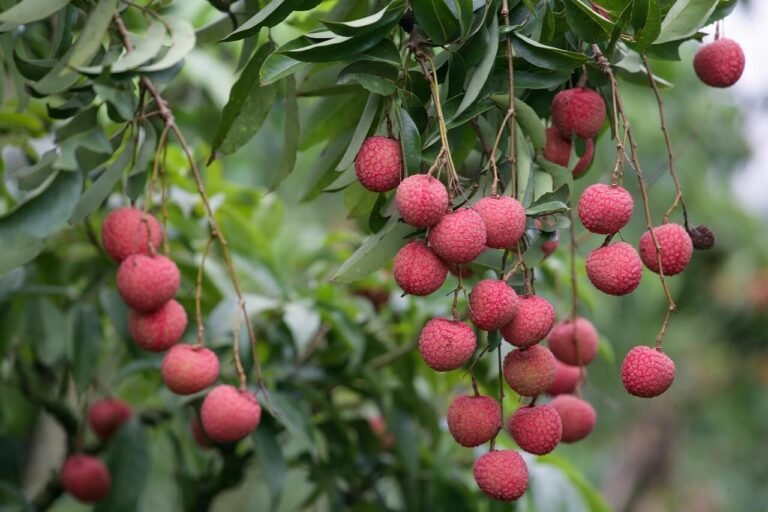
column 511, row 117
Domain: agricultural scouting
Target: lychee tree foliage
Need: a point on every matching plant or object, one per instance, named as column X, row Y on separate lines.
column 491, row 109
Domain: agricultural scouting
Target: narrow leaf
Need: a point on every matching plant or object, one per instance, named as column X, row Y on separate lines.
column 361, row 131
column 684, row 19
column 483, row 70
column 182, row 42
column 28, row 11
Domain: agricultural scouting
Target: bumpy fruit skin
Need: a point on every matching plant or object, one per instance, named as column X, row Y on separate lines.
column 501, row 474
column 446, row 345
column 702, row 238
column 145, row 283
column 86, row 478
column 418, row 270
column 536, row 430
column 229, row 414
column 585, row 160
column 566, row 379
column 558, row 149
column 529, row 371
column 564, row 338
column 473, row 420
column 187, row 369
column 459, row 237
column 647, row 372
column 421, row 200
column 492, row 304
column 577, row 415
column 615, row 269
column 675, row 245
column 159, row 330
column 532, row 322
column 128, row 231
column 579, row 111
column 605, row 209
column 378, row 164
column 720, row 63
column 105, row 416
column 504, row 219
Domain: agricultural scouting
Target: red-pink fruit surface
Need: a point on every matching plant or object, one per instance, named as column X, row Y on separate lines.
column 501, row 474
column 382, row 433
column 577, row 415
column 558, row 149
column 378, row 164
column 532, row 322
column 675, row 245
column 579, row 111
column 536, row 429
column 574, row 346
column 615, row 269
column 229, row 414
column 529, row 371
column 158, row 330
column 605, row 209
column 647, row 372
column 720, row 63
column 86, row 478
column 504, row 219
column 421, row 200
column 585, row 160
column 473, row 420
column 105, row 416
column 459, row 237
column 492, row 304
column 129, row 231
column 418, row 270
column 187, row 369
column 566, row 379
column 446, row 345
column 145, row 283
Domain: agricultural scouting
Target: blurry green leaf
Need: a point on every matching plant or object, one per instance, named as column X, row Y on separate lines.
column 376, row 77
column 376, row 252
column 18, row 250
column 303, row 320
column 494, row 340
column 182, row 42
column 586, row 23
column 290, row 132
column 28, row 11
column 605, row 349
column 379, row 21
column 144, row 50
column 410, row 141
column 275, row 12
column 482, row 72
column 128, row 461
column 436, row 19
column 33, row 69
column 547, row 57
column 116, row 311
column 82, row 122
column 684, row 19
column 87, row 341
column 48, row 330
column 465, row 10
column 591, row 496
column 291, row 414
column 273, row 464
column 376, row 219
column 361, row 132
column 16, row 495
column 646, row 19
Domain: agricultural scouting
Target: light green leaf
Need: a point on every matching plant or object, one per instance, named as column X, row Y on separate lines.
column 28, row 11
column 146, row 49
column 274, row 12
column 377, row 21
column 182, row 42
column 361, row 132
column 290, row 133
column 483, row 70
column 684, row 19
column 410, row 141
column 547, row 57
column 376, row 77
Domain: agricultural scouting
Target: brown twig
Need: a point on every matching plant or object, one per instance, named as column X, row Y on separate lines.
column 199, row 292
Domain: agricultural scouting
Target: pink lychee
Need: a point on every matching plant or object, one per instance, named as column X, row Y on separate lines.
column 107, row 415
column 574, row 346
column 145, row 283
column 558, row 149
column 675, row 245
column 529, row 371
column 577, row 415
column 158, row 330
column 720, row 63
column 378, row 164
column 501, row 475
column 532, row 322
column 187, row 369
column 418, row 270
column 536, row 429
column 504, row 219
column 585, row 160
column 459, row 237
column 579, row 111
column 129, row 231
column 492, row 304
column 647, row 372
column 566, row 379
column 615, row 269
column 86, row 478
column 605, row 209
column 446, row 344
column 229, row 414
column 473, row 420
column 421, row 200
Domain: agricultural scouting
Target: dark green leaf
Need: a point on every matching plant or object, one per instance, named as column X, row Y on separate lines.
column 436, row 19
column 410, row 142
column 376, row 219
column 646, row 20
column 335, row 48
column 684, row 19
column 376, row 77
column 376, row 252
column 292, row 415
column 147, row 48
column 16, row 495
column 546, row 208
column 278, row 65
column 273, row 464
column 483, row 70
column 361, row 131
column 547, row 57
column 275, row 12
column 586, row 23
column 87, row 341
column 379, row 21
column 33, row 69
column 290, row 132
column 128, row 461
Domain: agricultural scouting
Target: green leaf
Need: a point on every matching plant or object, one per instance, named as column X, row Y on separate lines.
column 527, row 118
column 361, row 131
column 273, row 464
column 182, row 42
column 128, row 461
column 684, row 19
column 379, row 21
column 591, row 496
column 33, row 69
column 278, row 65
column 586, row 23
column 376, row 77
column 410, row 142
column 646, row 20
column 275, row 12
column 16, row 495
column 28, row 11
column 87, row 341
column 376, row 252
column 292, row 415
column 290, row 132
column 335, row 48
column 547, row 57
column 436, row 19
column 546, row 208
column 18, row 249
column 147, row 48
column 482, row 72
column 465, row 10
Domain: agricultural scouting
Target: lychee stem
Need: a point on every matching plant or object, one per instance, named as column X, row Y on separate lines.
column 574, row 295
column 199, row 292
column 242, row 381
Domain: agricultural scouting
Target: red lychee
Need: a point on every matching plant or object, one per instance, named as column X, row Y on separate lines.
column 105, row 416
column 187, row 369
column 720, row 63
column 459, row 237
column 158, row 330
column 378, row 164
column 85, row 477
column 529, row 371
column 566, row 379
column 675, row 245
column 418, row 270
column 474, row 420
column 492, row 304
column 421, row 200
column 585, row 160
column 229, row 414
column 147, row 282
column 564, row 340
column 504, row 219
column 532, row 322
column 577, row 415
column 558, row 149
column 605, row 209
column 501, row 475
column 551, row 245
column 579, row 111
column 536, row 429
column 446, row 344
column 647, row 372
column 382, row 433
column 615, row 269
column 129, row 231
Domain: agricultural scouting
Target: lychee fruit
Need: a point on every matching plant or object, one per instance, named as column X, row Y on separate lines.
column 187, row 369
column 129, row 231
column 421, row 200
column 675, row 246
column 566, row 379
column 86, row 478
column 577, row 415
column 615, row 269
column 382, row 433
column 532, row 322
column 501, row 475
column 579, row 111
column 720, row 63
column 446, row 344
column 459, row 237
column 702, row 238
column 504, row 219
column 145, row 283
column 647, row 372
column 492, row 304
column 558, row 149
column 585, row 160
column 105, row 416
column 574, row 346
column 229, row 414
column 605, row 209
column 158, row 330
column 198, row 432
column 549, row 246
column 418, row 270
column 379, row 163
column 536, row 430
column 474, row 420
column 529, row 371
